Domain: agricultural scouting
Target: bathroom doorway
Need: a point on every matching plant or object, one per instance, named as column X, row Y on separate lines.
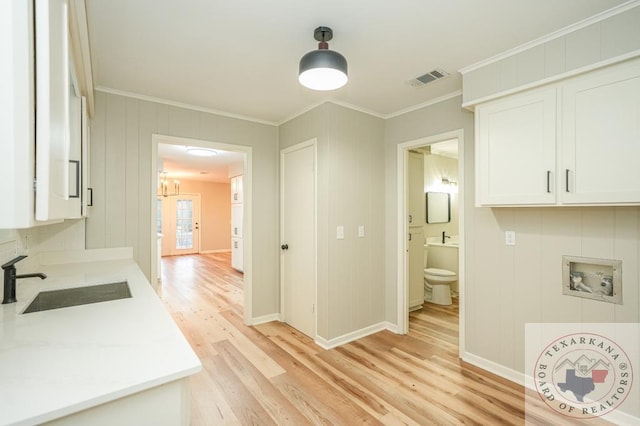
column 440, row 236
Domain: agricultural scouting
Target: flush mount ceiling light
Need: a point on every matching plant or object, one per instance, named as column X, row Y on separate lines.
column 323, row 69
column 201, row 152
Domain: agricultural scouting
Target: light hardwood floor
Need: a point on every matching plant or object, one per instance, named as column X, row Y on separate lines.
column 272, row 374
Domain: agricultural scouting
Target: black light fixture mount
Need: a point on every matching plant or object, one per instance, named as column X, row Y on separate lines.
column 323, row 69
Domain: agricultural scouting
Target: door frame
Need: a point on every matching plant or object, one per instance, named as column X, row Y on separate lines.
column 313, row 143
column 247, row 219
column 402, row 226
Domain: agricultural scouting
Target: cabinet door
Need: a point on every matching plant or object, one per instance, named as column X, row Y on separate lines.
column 236, row 221
column 236, row 190
column 237, row 261
column 416, row 197
column 52, row 109
column 17, row 139
column 416, row 268
column 601, row 136
column 516, row 150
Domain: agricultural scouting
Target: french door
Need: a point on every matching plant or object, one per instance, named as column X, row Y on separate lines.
column 181, row 224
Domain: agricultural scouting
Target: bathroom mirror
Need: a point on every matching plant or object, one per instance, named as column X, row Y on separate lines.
column 438, row 207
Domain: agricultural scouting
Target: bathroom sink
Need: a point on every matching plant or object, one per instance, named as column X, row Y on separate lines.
column 56, row 299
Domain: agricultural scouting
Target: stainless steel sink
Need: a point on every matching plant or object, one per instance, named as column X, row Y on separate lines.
column 56, row 299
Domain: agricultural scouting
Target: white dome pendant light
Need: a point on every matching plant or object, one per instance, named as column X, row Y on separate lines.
column 323, row 69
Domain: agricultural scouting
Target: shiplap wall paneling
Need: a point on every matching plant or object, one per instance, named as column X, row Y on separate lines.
column 527, row 278
column 122, row 130
column 609, row 38
column 148, row 122
column 627, row 249
column 132, row 186
column 598, row 241
column 117, row 184
column 96, row 230
column 560, row 235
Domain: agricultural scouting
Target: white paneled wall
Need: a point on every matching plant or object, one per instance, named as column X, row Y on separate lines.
column 508, row 286
column 350, row 194
column 121, row 150
column 604, row 39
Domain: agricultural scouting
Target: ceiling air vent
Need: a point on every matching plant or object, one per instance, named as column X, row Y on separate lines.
column 427, row 78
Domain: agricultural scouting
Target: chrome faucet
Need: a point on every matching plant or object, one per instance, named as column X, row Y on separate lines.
column 10, row 278
column 444, row 235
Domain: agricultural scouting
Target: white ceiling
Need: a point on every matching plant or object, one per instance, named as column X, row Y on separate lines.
column 240, row 57
column 178, row 164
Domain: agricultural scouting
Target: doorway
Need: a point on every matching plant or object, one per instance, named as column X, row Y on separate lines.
column 298, row 236
column 403, row 224
column 194, row 234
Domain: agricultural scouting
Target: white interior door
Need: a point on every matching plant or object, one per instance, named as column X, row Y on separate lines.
column 181, row 224
column 298, row 220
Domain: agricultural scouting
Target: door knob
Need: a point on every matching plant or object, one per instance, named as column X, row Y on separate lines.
column 285, row 247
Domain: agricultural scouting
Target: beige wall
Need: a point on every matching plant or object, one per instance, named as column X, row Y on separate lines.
column 215, row 213
column 508, row 286
column 350, row 185
column 123, row 187
column 615, row 36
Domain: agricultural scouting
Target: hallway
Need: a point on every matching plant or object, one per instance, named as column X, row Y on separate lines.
column 272, row 374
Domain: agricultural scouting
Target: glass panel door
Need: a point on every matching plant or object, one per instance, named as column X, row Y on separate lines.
column 184, row 224
column 180, row 224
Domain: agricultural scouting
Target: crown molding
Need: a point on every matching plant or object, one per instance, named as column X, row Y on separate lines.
column 141, row 97
column 134, row 95
column 424, row 104
column 554, row 35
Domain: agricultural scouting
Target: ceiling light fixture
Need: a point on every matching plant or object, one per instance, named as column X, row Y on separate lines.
column 201, row 152
column 323, row 69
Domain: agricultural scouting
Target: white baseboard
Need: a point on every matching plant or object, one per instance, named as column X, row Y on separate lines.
column 264, row 319
column 495, row 368
column 350, row 337
column 392, row 327
column 617, row 417
column 215, row 251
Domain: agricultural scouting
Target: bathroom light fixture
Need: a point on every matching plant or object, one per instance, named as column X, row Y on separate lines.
column 323, row 69
column 201, row 152
column 163, row 185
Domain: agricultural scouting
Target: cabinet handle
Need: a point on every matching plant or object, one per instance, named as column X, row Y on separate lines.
column 566, row 179
column 409, row 237
column 235, row 231
column 90, row 203
column 548, row 181
column 410, row 218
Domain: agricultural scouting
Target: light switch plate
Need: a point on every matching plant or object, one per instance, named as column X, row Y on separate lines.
column 361, row 231
column 340, row 232
column 510, row 238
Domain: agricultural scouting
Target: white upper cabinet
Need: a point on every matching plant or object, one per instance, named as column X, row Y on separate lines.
column 236, row 190
column 17, row 128
column 516, row 150
column 574, row 143
column 601, row 137
column 52, row 109
column 41, row 125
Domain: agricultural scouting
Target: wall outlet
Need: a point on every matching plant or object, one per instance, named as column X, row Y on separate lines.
column 340, row 232
column 361, row 231
column 510, row 238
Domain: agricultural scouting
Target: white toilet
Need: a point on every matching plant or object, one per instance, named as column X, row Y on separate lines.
column 436, row 285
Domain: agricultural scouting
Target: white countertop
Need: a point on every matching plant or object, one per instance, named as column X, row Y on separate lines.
column 57, row 362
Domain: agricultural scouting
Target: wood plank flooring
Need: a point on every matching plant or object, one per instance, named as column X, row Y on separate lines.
column 272, row 374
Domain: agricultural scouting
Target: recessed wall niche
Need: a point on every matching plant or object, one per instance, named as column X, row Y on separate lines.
column 591, row 278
